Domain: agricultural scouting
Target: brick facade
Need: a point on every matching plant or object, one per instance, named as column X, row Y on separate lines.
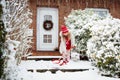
column 64, row 7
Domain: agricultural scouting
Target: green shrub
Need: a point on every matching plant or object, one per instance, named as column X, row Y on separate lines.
column 2, row 40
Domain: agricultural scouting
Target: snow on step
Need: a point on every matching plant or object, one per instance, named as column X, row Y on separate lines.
column 42, row 65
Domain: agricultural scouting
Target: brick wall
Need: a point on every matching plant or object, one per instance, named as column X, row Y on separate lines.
column 34, row 17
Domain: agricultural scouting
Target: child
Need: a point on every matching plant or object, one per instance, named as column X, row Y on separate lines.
column 66, row 44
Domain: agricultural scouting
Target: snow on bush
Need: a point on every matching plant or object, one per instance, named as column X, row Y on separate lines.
column 104, row 45
column 17, row 20
column 76, row 21
column 11, row 70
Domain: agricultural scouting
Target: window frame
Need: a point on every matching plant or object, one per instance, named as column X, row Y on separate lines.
column 99, row 11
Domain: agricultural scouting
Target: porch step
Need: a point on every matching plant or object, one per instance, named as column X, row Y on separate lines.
column 47, row 65
column 43, row 57
column 55, row 70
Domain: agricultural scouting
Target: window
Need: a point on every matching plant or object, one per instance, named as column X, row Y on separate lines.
column 101, row 12
column 48, row 17
column 47, row 38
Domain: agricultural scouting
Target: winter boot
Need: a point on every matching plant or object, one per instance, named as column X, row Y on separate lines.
column 56, row 61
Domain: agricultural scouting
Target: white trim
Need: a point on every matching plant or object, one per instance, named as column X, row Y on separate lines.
column 98, row 10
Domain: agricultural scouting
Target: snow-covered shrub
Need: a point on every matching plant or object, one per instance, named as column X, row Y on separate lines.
column 17, row 20
column 99, row 36
column 77, row 21
column 104, row 45
column 11, row 69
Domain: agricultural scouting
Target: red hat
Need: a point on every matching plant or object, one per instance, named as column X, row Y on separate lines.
column 64, row 29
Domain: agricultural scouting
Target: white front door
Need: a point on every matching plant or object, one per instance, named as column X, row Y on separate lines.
column 47, row 38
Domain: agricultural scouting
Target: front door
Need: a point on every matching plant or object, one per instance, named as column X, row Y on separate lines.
column 47, row 29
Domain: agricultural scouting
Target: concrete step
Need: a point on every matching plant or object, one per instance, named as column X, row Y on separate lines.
column 43, row 57
column 55, row 70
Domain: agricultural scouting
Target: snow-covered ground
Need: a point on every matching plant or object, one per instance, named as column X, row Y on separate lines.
column 31, row 64
column 91, row 74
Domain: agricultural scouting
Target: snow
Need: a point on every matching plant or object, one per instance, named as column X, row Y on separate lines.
column 86, row 75
column 91, row 74
column 50, row 65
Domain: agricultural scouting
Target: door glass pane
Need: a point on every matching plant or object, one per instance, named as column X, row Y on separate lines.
column 47, row 38
column 47, row 17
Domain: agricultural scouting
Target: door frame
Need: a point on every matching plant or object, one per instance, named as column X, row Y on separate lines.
column 38, row 30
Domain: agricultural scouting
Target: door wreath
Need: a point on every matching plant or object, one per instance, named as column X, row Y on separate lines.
column 48, row 25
